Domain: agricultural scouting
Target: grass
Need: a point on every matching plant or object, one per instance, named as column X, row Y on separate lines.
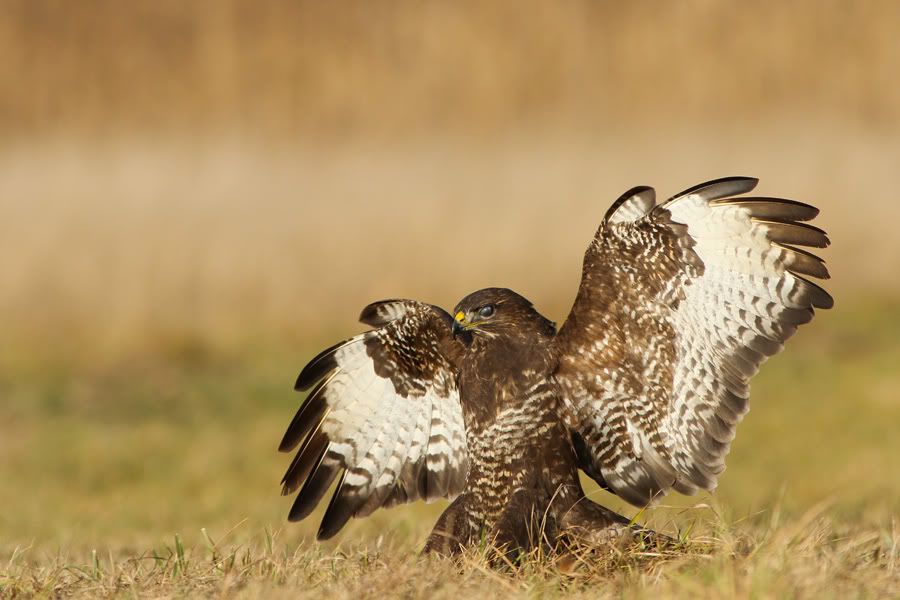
column 809, row 557
column 157, row 476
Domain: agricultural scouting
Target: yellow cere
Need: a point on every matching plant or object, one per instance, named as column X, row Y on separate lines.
column 460, row 316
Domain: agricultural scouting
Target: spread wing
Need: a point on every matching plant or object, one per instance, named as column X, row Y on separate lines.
column 384, row 414
column 679, row 305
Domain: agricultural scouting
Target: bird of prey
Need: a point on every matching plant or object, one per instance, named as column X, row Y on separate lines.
column 497, row 410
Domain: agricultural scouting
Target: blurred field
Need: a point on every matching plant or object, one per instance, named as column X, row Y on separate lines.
column 195, row 198
column 295, row 69
column 143, row 248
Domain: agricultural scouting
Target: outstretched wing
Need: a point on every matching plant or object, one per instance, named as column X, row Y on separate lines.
column 384, row 413
column 679, row 305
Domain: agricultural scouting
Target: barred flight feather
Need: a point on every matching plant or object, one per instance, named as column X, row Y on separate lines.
column 384, row 414
column 720, row 282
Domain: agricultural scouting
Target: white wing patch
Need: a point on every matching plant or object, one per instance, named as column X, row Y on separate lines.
column 679, row 306
column 385, row 416
column 733, row 316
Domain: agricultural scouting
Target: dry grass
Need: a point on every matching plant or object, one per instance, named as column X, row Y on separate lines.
column 808, row 558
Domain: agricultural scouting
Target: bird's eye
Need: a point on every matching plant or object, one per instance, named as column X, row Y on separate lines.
column 486, row 311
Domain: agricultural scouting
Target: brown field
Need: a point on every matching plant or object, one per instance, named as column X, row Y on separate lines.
column 299, row 69
column 126, row 249
column 195, row 197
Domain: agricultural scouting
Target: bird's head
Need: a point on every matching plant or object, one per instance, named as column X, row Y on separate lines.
column 496, row 312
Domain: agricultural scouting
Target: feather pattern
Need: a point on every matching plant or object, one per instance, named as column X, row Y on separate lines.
column 679, row 305
column 384, row 414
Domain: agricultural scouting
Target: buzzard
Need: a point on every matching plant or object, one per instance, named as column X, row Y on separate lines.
column 493, row 408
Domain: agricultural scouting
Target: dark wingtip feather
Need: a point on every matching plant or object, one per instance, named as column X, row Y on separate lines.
column 341, row 507
column 308, row 416
column 801, row 262
column 304, row 462
column 796, row 316
column 314, row 488
column 318, row 367
column 818, row 297
column 801, row 234
column 773, row 208
column 719, row 188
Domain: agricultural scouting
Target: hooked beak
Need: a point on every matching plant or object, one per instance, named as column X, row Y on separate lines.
column 459, row 323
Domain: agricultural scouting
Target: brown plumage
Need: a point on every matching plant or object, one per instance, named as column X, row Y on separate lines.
column 641, row 388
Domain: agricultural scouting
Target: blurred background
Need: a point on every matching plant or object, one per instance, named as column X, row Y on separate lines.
column 196, row 197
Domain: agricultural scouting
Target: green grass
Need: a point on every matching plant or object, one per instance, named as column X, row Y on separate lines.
column 157, row 475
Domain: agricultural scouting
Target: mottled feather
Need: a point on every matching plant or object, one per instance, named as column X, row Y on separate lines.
column 384, row 415
column 679, row 306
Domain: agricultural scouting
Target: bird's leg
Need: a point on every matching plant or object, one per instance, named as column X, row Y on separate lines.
column 526, row 523
column 590, row 524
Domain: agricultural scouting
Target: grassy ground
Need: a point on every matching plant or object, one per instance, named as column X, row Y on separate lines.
column 158, row 476
column 811, row 558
